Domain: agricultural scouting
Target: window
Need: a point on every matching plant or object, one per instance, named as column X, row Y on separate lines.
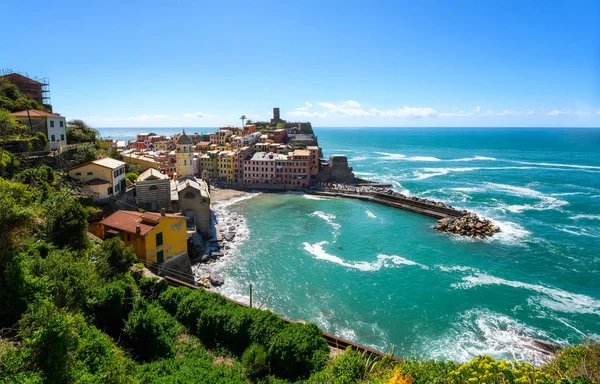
column 159, row 239
column 52, row 138
column 90, row 173
column 77, row 173
column 52, row 124
column 128, row 237
column 62, row 136
column 61, row 124
column 109, row 190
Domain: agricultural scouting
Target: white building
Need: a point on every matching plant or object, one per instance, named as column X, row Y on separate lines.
column 104, row 177
column 53, row 125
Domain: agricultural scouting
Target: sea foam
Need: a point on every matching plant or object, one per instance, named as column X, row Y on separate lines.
column 370, row 214
column 545, row 202
column 554, row 298
column 387, row 261
column 483, row 332
column 328, row 218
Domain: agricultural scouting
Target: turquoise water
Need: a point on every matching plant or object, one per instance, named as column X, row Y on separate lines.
column 380, row 276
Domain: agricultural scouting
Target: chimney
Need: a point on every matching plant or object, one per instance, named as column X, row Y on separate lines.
column 162, row 212
column 138, row 230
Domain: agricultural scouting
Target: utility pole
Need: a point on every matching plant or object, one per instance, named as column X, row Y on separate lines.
column 29, row 117
column 250, row 295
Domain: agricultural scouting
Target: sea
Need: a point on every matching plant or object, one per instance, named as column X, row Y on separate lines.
column 384, row 278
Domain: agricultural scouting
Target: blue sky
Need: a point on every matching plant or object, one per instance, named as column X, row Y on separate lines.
column 335, row 63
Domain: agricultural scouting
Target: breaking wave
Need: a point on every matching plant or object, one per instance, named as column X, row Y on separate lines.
column 483, row 332
column 585, row 217
column 370, row 214
column 387, row 261
column 399, row 156
column 328, row 217
column 554, row 298
column 575, row 166
column 546, row 202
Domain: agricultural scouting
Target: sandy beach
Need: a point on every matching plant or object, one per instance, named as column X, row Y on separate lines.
column 219, row 195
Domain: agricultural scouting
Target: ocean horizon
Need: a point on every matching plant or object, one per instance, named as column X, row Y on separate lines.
column 384, row 277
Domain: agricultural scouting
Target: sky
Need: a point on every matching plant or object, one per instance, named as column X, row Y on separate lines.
column 345, row 63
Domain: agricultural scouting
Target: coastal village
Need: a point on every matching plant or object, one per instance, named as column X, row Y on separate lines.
column 164, row 211
column 156, row 194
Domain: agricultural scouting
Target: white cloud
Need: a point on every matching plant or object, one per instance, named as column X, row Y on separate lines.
column 556, row 112
column 197, row 114
column 307, row 107
column 353, row 108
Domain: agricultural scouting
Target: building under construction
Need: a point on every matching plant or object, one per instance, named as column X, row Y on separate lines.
column 35, row 88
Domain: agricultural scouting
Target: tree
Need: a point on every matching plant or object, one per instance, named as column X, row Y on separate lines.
column 79, row 132
column 13, row 100
column 114, row 258
column 131, row 176
column 9, row 126
column 67, row 224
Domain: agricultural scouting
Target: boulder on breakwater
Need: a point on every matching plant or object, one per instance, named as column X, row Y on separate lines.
column 469, row 225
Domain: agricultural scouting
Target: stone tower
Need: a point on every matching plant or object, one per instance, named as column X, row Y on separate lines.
column 184, row 154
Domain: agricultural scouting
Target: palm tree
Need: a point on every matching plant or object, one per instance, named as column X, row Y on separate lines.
column 243, row 118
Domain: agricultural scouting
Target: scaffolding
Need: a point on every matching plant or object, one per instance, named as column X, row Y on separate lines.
column 37, row 88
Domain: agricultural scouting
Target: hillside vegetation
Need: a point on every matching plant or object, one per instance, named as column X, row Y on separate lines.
column 74, row 311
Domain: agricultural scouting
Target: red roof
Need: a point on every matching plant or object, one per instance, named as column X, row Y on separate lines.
column 34, row 113
column 203, row 143
column 128, row 221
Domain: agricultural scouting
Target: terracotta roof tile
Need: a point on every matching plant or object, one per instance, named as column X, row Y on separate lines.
column 128, row 220
column 34, row 113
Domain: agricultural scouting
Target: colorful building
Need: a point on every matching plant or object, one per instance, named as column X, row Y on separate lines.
column 104, row 178
column 154, row 237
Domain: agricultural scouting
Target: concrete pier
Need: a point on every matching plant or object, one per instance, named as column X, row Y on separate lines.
column 397, row 202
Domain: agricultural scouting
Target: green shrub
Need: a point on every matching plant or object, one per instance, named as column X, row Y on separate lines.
column 265, row 325
column 151, row 331
column 254, row 361
column 225, row 326
column 192, row 305
column 576, row 362
column 67, row 224
column 67, row 277
column 98, row 360
column 428, row 371
column 110, row 304
column 14, row 367
column 49, row 338
column 348, row 367
column 114, row 258
column 152, row 287
column 172, row 297
column 189, row 370
column 131, row 176
column 298, row 350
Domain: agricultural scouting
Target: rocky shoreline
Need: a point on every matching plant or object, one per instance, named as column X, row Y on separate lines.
column 469, row 225
column 230, row 230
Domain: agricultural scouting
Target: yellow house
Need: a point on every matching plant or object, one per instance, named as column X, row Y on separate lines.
column 104, row 177
column 154, row 237
column 143, row 162
column 225, row 165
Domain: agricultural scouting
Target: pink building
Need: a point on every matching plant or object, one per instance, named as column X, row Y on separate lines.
column 293, row 169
